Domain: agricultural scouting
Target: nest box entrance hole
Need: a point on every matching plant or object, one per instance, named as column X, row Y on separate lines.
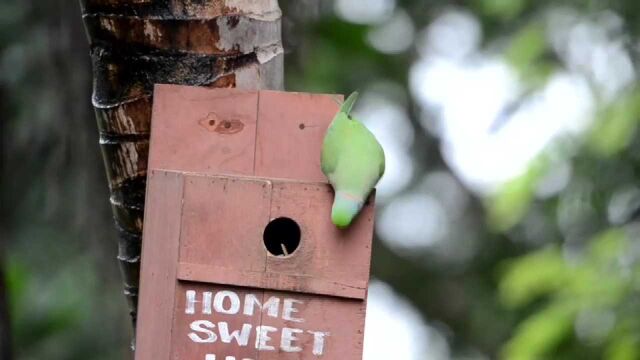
column 281, row 236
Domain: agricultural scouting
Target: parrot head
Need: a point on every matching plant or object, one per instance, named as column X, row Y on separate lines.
column 345, row 208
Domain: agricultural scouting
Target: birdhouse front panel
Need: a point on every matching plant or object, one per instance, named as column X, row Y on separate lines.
column 240, row 259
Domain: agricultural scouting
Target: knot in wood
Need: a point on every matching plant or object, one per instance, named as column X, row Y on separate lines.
column 213, row 123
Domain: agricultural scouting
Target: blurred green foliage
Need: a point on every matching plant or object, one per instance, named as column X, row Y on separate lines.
column 616, row 125
column 598, row 282
column 547, row 277
column 576, row 296
column 507, row 207
column 65, row 294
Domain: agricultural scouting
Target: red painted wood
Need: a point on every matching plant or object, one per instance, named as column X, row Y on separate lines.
column 291, row 128
column 341, row 319
column 223, row 243
column 239, row 159
column 240, row 132
column 185, row 349
column 223, row 221
column 342, row 256
column 272, row 280
column 203, row 130
column 160, row 254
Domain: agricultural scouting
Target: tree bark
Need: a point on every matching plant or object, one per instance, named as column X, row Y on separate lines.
column 137, row 43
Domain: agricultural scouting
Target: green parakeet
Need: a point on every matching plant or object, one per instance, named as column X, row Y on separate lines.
column 353, row 161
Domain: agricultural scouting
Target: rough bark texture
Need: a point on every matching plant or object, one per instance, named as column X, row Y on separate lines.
column 138, row 43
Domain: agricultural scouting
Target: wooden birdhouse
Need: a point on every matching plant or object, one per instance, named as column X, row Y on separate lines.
column 240, row 260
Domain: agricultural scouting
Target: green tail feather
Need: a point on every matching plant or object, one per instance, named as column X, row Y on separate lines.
column 348, row 104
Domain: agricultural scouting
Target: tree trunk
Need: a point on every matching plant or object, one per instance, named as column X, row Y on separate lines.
column 137, row 43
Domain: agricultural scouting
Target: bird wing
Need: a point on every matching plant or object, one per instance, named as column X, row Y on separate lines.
column 330, row 152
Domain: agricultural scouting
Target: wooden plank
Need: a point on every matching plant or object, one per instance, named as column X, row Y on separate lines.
column 325, row 252
column 268, row 280
column 223, row 221
column 319, row 328
column 203, row 130
column 159, row 264
column 291, row 127
column 242, row 159
column 213, row 319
